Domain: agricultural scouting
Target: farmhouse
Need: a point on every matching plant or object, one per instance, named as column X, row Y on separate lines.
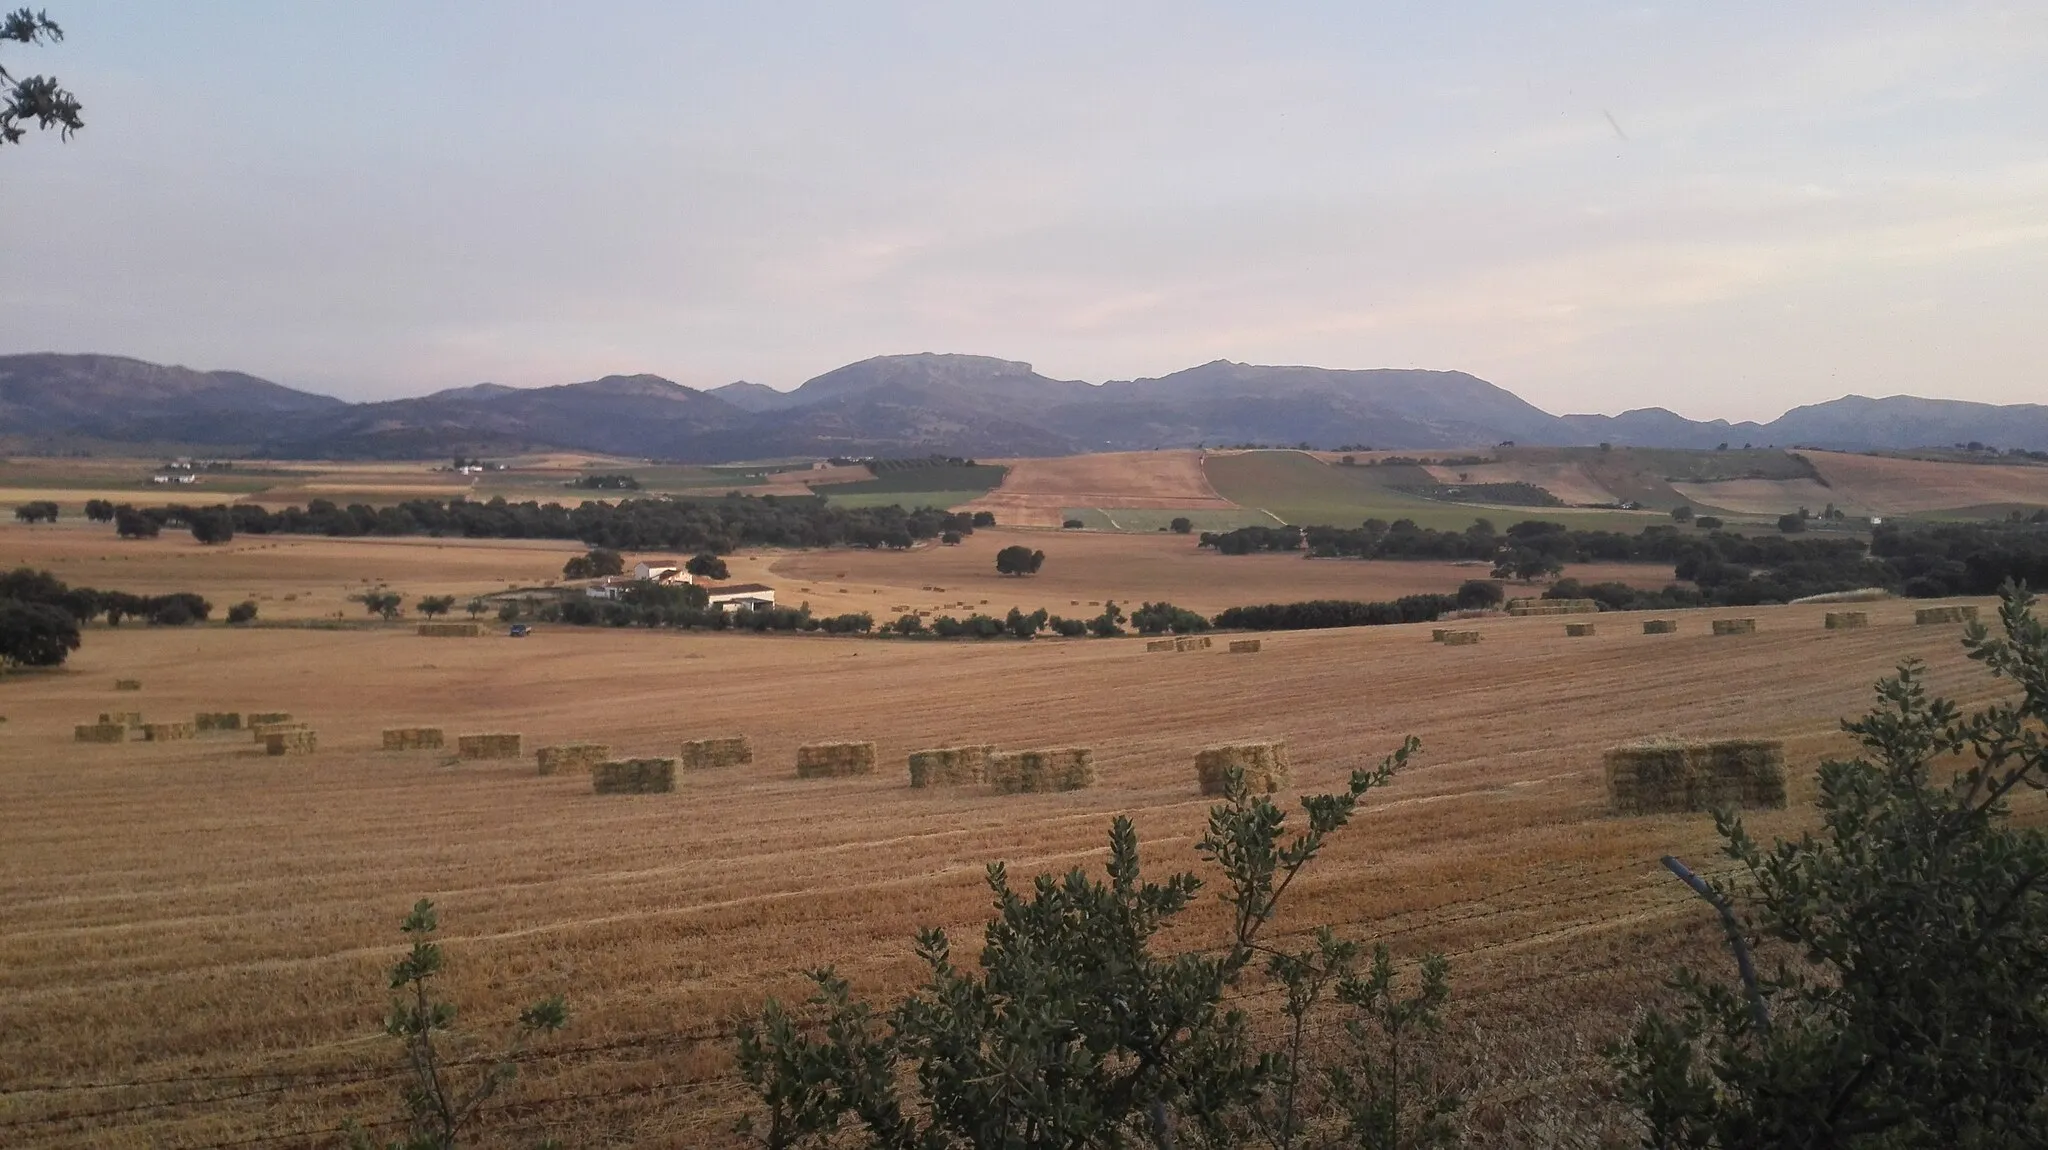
column 665, row 571
column 743, row 597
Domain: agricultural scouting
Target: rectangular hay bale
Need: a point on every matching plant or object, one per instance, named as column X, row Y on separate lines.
column 1924, row 616
column 100, row 733
column 1265, row 766
column 1460, row 638
column 578, row 757
column 299, row 741
column 834, row 760
column 262, row 731
column 949, row 766
column 413, row 738
column 1244, row 646
column 127, row 684
column 1670, row 776
column 217, row 721
column 1735, row 626
column 168, row 732
column 494, row 746
column 1158, row 645
column 1577, row 630
column 1847, row 620
column 1660, row 626
column 1052, row 769
column 451, row 630
column 709, row 754
column 633, row 776
column 258, row 718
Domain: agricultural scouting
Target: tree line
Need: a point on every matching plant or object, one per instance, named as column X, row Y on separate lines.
column 40, row 614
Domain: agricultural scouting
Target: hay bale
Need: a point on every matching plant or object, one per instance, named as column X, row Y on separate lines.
column 168, row 732
column 834, row 760
column 299, row 741
column 1265, row 766
column 1577, row 630
column 487, row 746
column 1847, row 620
column 949, row 766
column 707, row 754
column 1159, row 645
column 258, row 718
column 578, row 757
column 124, row 718
column 262, row 731
column 1460, row 638
column 633, row 776
column 1244, row 646
column 127, row 684
column 1928, row 615
column 413, row 738
column 1735, row 626
column 217, row 721
column 1054, row 769
column 451, row 630
column 100, row 733
column 1660, row 626
column 1667, row 775
column 1192, row 643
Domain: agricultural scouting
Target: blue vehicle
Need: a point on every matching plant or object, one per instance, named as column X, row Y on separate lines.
column 519, row 631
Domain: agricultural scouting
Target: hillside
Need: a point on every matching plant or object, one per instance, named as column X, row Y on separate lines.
column 913, row 405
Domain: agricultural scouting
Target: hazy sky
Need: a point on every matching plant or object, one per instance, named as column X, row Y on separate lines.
column 1726, row 209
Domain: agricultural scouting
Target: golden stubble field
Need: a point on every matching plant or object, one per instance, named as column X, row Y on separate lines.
column 197, row 935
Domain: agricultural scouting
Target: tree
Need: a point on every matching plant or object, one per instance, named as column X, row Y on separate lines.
column 707, row 566
column 1024, row 626
column 132, row 524
column 435, row 605
column 1072, row 524
column 476, row 607
column 385, row 603
column 909, row 625
column 213, row 525
column 1908, row 1004
column 242, row 612
column 1480, row 594
column 1792, row 524
column 35, row 634
column 1682, row 513
column 1707, row 523
column 950, row 538
column 578, row 567
column 1181, row 525
column 37, row 511
column 436, row 1110
column 99, row 510
column 604, row 562
column 34, row 99
column 1155, row 618
column 1070, row 1031
column 984, row 519
column 1107, row 624
column 1018, row 559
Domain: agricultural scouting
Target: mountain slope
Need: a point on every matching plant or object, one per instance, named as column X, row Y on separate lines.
column 114, row 397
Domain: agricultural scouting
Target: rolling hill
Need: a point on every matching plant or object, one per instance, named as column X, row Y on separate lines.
column 913, row 405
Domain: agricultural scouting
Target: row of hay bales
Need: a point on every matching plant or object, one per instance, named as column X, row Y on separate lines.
column 1006, row 772
column 1185, row 643
column 1523, row 607
column 451, row 630
column 1668, row 775
column 121, row 726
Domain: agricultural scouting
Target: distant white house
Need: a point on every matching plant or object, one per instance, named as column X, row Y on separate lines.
column 743, row 597
column 666, row 571
column 609, row 587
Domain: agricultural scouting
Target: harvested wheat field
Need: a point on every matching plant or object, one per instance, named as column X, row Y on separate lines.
column 1035, row 491
column 198, row 933
column 1903, row 486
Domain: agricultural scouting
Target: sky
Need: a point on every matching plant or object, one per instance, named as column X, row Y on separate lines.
column 1725, row 209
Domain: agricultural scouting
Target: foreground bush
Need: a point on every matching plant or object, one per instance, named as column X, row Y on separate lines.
column 1907, row 1003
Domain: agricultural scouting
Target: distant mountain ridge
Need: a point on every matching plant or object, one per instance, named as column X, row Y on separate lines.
column 915, row 404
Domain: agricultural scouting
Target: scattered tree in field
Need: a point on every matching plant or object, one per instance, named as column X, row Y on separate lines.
column 984, row 519
column 1682, row 513
column 1017, row 559
column 1792, row 523
column 1707, row 523
column 1069, row 1031
column 950, row 538
column 437, row 1110
column 433, row 606
column 1480, row 594
column 476, row 607
column 99, row 510
column 36, row 100
column 578, row 567
column 385, row 603
column 1025, row 626
column 909, row 625
column 38, row 511
column 212, row 525
column 35, row 634
column 1526, row 564
column 1181, row 525
column 1908, row 1005
column 242, row 612
column 509, row 613
column 1108, row 624
column 132, row 524
column 1072, row 524
column 707, row 566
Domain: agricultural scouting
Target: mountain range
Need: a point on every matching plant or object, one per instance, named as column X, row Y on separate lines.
column 910, row 405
